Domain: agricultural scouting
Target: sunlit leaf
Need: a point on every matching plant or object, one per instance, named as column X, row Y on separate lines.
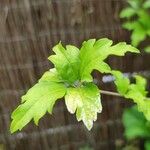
column 85, row 101
column 93, row 53
column 71, row 78
column 122, row 83
column 37, row 101
column 66, row 62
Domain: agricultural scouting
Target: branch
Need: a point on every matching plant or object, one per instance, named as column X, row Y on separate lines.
column 110, row 93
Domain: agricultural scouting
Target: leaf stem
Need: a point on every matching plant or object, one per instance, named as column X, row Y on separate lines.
column 110, row 93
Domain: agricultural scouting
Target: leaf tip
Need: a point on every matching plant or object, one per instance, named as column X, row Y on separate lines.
column 36, row 121
column 89, row 127
column 12, row 129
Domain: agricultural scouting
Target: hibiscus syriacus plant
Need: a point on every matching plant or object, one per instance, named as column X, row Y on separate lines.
column 71, row 78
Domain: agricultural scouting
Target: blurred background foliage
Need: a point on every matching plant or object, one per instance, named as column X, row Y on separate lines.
column 137, row 15
column 137, row 20
column 137, row 129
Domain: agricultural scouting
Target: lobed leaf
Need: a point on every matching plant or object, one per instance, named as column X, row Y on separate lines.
column 66, row 62
column 91, row 56
column 135, row 124
column 135, row 91
column 85, row 101
column 93, row 53
column 37, row 101
column 72, row 78
column 122, row 83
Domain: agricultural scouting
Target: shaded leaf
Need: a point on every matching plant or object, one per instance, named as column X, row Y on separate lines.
column 135, row 124
column 137, row 92
column 147, row 145
column 138, row 35
column 129, row 25
column 127, row 12
column 146, row 4
column 147, row 49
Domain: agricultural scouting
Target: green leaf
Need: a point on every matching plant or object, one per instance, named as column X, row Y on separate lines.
column 37, row 101
column 92, row 58
column 121, row 48
column 66, row 62
column 141, row 84
column 93, row 53
column 103, row 67
column 142, row 102
column 146, row 4
column 137, row 92
column 147, row 145
column 85, row 101
column 129, row 25
column 51, row 75
column 72, row 78
column 144, row 19
column 138, row 35
column 135, row 124
column 137, row 19
column 136, row 4
column 122, row 83
column 144, row 107
column 147, row 49
column 127, row 12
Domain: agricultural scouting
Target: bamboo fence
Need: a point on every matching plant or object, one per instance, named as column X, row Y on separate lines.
column 28, row 31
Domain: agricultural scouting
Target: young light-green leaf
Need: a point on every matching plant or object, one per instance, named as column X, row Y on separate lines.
column 91, row 56
column 66, row 62
column 93, row 53
column 37, row 101
column 137, row 92
column 122, row 83
column 85, row 101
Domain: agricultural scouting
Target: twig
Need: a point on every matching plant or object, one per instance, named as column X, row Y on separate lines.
column 110, row 93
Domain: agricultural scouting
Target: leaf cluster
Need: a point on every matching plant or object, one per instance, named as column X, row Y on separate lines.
column 137, row 15
column 135, row 91
column 70, row 78
column 136, row 126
